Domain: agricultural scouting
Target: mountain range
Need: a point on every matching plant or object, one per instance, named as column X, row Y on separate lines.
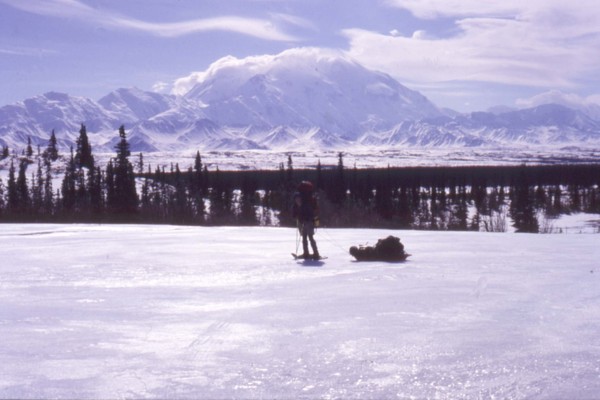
column 299, row 99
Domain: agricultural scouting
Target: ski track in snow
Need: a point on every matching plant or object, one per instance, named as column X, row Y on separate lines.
column 113, row 311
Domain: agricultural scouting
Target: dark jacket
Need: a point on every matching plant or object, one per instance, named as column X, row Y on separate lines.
column 308, row 208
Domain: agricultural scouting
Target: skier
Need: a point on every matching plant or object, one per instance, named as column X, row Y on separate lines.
column 306, row 212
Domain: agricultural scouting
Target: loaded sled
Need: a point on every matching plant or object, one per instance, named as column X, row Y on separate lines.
column 389, row 249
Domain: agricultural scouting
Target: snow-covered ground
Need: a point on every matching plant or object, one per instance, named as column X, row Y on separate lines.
column 369, row 157
column 113, row 311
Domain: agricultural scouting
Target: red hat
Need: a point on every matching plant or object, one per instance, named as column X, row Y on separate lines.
column 305, row 187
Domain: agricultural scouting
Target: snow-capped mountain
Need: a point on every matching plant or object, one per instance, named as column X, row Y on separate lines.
column 36, row 117
column 299, row 99
column 548, row 124
column 133, row 105
column 307, row 88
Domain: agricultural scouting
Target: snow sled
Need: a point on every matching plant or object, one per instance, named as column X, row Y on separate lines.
column 389, row 249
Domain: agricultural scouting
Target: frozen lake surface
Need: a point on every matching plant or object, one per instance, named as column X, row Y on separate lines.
column 113, row 311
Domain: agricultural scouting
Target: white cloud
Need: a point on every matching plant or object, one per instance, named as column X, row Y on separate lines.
column 161, row 87
column 571, row 100
column 589, row 105
column 183, row 85
column 293, row 20
column 27, row 51
column 420, row 34
column 539, row 43
column 253, row 65
column 260, row 28
column 444, row 8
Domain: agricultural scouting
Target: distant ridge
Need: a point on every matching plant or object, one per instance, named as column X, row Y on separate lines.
column 303, row 98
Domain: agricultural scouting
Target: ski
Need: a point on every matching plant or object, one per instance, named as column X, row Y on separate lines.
column 298, row 257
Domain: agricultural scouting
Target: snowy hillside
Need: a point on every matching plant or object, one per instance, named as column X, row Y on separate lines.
column 182, row 312
column 133, row 105
column 38, row 116
column 301, row 99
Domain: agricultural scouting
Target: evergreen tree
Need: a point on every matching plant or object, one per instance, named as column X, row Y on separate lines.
column 198, row 163
column 2, row 202
column 405, row 217
column 522, row 207
column 198, row 185
column 12, row 193
column 37, row 191
column 83, row 154
column 140, row 163
column 22, row 189
column 383, row 201
column 337, row 191
column 290, row 173
column 198, row 188
column 29, row 150
column 179, row 203
column 52, row 150
column 319, row 180
column 48, row 208
column 124, row 200
column 96, row 194
column 247, row 214
column 5, row 153
column 111, row 199
column 69, row 187
column 145, row 199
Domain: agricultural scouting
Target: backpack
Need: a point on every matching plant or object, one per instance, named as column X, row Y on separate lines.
column 309, row 208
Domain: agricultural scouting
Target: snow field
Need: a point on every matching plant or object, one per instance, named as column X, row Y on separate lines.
column 112, row 311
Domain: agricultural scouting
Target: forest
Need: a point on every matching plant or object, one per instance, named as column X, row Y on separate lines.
column 480, row 198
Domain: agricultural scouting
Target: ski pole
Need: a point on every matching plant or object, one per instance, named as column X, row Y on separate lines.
column 297, row 236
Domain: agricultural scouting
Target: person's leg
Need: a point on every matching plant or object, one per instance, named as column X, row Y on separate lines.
column 304, row 233
column 313, row 244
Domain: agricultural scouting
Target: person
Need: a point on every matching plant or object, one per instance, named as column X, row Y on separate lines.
column 306, row 212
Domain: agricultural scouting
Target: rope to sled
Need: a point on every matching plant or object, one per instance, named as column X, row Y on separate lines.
column 330, row 239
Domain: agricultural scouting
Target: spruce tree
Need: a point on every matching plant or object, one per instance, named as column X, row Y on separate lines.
column 2, row 203
column 179, row 204
column 29, row 150
column 48, row 190
column 95, row 192
column 22, row 188
column 198, row 188
column 140, row 163
column 197, row 181
column 83, row 154
column 246, row 213
column 37, row 190
column 111, row 200
column 52, row 149
column 69, row 186
column 337, row 190
column 12, row 193
column 125, row 199
column 522, row 208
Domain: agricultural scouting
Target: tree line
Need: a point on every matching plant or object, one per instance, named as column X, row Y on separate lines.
column 482, row 198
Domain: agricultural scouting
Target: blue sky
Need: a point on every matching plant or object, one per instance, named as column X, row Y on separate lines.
column 464, row 54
